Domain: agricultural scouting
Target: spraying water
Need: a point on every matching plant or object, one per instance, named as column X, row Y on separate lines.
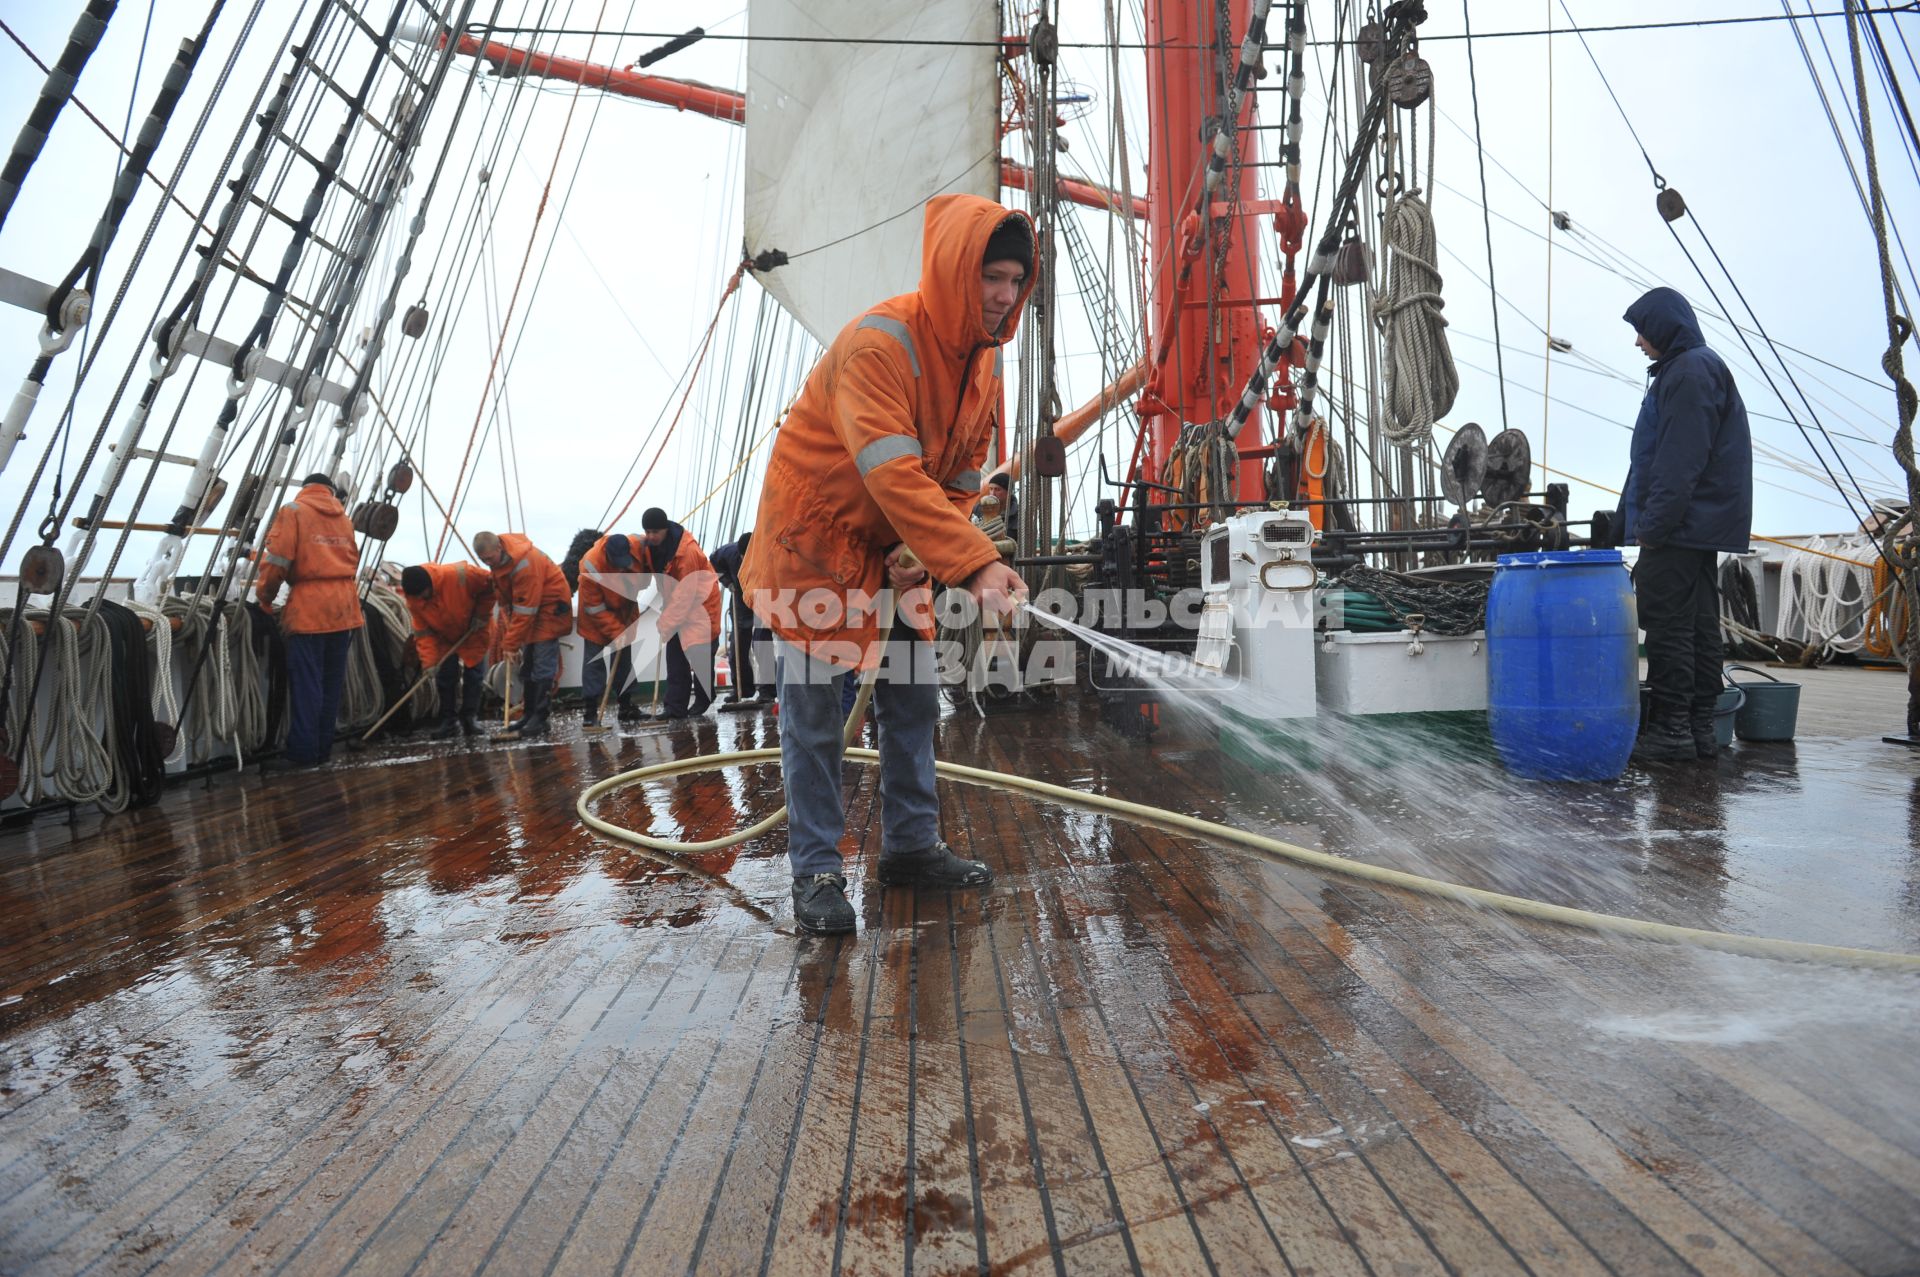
column 1414, row 796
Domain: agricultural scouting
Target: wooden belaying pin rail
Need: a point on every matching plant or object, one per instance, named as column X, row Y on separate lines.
column 114, row 525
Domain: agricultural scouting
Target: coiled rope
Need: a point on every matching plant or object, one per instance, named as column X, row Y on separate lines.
column 1421, row 381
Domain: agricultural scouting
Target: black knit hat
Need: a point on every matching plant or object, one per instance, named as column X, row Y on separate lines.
column 415, row 581
column 1010, row 241
column 654, row 520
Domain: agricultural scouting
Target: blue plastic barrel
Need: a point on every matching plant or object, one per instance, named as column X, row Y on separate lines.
column 1563, row 690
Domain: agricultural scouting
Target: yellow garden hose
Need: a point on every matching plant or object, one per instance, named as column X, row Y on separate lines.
column 1271, row 848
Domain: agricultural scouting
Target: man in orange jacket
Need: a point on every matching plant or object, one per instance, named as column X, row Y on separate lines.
column 536, row 610
column 608, row 573
column 452, row 609
column 311, row 547
column 689, row 612
column 883, row 451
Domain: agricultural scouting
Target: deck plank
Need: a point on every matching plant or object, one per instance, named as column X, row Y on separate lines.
column 320, row 1022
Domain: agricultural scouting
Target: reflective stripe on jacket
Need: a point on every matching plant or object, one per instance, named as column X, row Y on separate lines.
column 606, row 605
column 535, row 603
column 311, row 546
column 462, row 598
column 885, row 445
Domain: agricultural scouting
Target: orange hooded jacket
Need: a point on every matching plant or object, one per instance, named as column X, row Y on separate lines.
column 605, row 613
column 535, row 603
column 462, row 598
column 311, row 545
column 884, row 446
column 690, row 609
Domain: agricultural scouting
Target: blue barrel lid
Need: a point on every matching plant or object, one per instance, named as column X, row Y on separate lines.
column 1559, row 558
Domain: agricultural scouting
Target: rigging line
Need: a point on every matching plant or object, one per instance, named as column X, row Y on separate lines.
column 99, row 332
column 513, row 303
column 547, row 256
column 945, row 186
column 482, row 29
column 1644, row 278
column 98, row 123
column 1586, row 411
column 1833, row 122
column 706, row 343
column 1785, row 369
column 1473, row 83
column 63, row 428
column 1608, row 370
column 1546, row 380
column 1910, row 137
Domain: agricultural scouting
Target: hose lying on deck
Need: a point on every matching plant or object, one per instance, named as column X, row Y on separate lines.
column 1271, row 848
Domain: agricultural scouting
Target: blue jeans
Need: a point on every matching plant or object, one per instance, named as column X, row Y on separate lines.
column 316, row 671
column 906, row 705
column 593, row 675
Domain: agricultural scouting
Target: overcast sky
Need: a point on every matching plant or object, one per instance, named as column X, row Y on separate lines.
column 641, row 229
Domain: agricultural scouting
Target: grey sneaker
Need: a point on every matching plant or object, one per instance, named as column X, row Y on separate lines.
column 936, row 867
column 820, row 904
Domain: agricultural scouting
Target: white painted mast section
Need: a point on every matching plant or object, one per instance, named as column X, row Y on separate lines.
column 846, row 143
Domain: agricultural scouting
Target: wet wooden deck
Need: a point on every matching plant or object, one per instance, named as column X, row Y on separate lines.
column 406, row 1015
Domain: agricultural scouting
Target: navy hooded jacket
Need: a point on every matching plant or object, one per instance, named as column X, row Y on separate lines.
column 1690, row 481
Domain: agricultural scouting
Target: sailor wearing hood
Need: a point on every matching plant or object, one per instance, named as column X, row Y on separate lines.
column 882, row 451
column 310, row 547
column 1688, row 499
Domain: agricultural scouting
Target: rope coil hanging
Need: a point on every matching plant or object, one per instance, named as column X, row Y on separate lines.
column 1421, row 381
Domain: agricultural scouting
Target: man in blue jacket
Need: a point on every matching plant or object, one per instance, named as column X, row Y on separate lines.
column 1688, row 499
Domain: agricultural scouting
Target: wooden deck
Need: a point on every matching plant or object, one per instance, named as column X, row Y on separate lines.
column 406, row 1015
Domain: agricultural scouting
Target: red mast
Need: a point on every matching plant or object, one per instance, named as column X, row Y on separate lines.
column 1206, row 330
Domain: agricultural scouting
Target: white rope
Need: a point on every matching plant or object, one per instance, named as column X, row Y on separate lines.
column 1420, row 376
column 1824, row 599
column 165, row 704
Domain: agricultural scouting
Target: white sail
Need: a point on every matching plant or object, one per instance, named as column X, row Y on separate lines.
column 846, row 142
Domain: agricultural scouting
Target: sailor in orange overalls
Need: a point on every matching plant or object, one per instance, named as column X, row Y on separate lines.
column 883, row 451
column 452, row 609
column 311, row 547
column 536, row 609
column 689, row 612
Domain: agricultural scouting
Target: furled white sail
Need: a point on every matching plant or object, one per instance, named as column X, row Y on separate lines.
column 847, row 142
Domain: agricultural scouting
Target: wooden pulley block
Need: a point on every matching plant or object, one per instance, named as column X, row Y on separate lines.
column 1671, row 206
column 414, row 322
column 359, row 517
column 215, row 492
column 243, row 497
column 383, row 519
column 42, row 568
column 1509, row 466
column 1352, row 263
column 400, row 478
column 1043, row 44
column 1371, row 43
column 1410, row 81
column 1049, row 457
column 1463, row 466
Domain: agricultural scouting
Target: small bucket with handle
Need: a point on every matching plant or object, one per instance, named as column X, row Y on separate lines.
column 1772, row 708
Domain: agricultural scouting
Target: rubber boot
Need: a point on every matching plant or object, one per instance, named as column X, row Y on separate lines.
column 1700, row 720
column 469, row 725
column 534, row 722
column 449, row 728
column 1666, row 737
